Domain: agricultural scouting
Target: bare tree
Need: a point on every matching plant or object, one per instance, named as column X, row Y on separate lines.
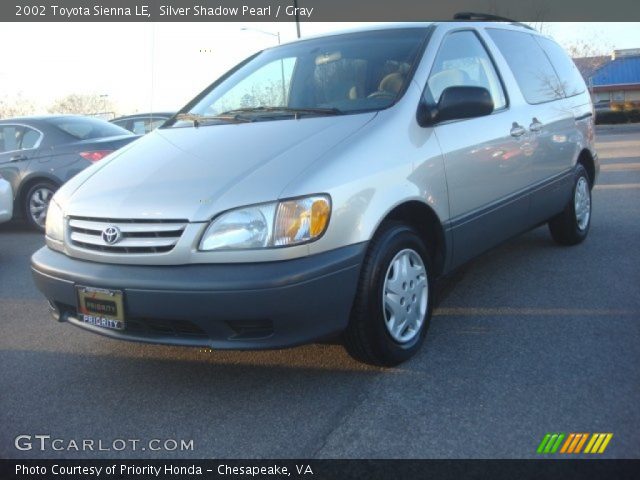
column 82, row 104
column 592, row 48
column 17, row 106
column 589, row 55
column 542, row 27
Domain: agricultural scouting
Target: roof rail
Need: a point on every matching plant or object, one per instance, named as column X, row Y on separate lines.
column 486, row 17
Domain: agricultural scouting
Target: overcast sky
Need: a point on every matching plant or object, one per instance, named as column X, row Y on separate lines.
column 160, row 66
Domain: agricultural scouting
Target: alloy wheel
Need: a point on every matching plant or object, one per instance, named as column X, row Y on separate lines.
column 405, row 296
column 38, row 205
column 582, row 203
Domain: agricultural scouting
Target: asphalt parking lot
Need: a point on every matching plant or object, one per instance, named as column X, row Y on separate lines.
column 528, row 339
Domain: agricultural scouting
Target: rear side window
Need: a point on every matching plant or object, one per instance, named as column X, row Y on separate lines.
column 570, row 77
column 84, row 128
column 530, row 65
column 18, row 137
column 30, row 139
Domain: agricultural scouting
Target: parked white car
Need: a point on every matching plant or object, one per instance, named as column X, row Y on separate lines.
column 6, row 201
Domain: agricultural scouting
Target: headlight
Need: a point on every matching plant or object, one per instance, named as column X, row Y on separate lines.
column 240, row 229
column 277, row 224
column 54, row 226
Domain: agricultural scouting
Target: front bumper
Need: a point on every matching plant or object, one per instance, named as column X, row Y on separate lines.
column 225, row 306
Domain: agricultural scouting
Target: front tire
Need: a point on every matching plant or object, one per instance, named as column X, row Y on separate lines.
column 36, row 203
column 572, row 225
column 392, row 308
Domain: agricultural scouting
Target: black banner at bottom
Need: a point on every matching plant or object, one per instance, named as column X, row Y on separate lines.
column 320, row 469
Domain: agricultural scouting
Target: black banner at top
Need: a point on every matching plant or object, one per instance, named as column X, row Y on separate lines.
column 313, row 10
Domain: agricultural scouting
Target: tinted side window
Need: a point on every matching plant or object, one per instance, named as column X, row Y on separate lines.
column 530, row 66
column 14, row 137
column 571, row 80
column 8, row 138
column 462, row 61
column 155, row 123
column 140, row 127
column 30, row 138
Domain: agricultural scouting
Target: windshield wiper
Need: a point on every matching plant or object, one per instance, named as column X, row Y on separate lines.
column 286, row 110
column 238, row 115
column 198, row 119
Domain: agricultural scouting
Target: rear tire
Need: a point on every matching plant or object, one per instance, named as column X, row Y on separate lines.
column 571, row 226
column 392, row 308
column 36, row 201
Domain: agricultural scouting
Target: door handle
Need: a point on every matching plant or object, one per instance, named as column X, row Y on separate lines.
column 517, row 130
column 535, row 126
column 17, row 158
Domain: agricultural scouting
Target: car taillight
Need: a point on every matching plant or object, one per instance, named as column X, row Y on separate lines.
column 96, row 155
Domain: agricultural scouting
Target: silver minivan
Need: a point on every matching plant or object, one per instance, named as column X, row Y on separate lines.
column 321, row 187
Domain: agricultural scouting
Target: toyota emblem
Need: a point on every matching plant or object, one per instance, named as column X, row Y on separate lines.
column 111, row 235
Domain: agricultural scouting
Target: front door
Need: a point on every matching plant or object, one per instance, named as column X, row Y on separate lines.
column 487, row 159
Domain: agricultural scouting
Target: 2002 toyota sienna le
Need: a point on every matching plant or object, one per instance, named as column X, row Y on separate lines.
column 321, row 187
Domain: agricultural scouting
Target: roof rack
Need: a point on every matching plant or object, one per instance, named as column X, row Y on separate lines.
column 486, row 17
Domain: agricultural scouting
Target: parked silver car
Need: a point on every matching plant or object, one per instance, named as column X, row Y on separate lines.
column 321, row 187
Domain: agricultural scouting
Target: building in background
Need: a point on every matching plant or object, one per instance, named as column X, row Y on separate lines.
column 614, row 79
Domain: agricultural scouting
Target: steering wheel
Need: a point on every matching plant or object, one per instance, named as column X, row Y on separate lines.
column 381, row 94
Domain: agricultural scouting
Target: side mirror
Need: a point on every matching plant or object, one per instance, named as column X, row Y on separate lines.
column 456, row 103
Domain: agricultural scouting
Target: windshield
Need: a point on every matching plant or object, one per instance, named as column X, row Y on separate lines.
column 333, row 75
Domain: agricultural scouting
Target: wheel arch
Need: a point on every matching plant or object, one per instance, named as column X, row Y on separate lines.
column 26, row 184
column 426, row 222
column 585, row 158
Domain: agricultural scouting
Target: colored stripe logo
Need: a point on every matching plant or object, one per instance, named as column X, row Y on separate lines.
column 574, row 443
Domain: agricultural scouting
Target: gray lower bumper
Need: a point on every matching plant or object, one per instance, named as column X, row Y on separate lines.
column 239, row 306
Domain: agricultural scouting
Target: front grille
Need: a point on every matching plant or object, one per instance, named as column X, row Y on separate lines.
column 136, row 236
column 146, row 326
column 175, row 328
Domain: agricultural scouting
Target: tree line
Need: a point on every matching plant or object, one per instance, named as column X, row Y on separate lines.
column 75, row 103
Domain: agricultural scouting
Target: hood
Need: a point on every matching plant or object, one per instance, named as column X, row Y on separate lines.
column 194, row 173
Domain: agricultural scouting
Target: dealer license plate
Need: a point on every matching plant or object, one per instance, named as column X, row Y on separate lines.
column 101, row 307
